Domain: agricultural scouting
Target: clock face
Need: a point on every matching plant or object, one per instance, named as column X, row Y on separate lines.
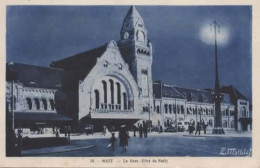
column 126, row 35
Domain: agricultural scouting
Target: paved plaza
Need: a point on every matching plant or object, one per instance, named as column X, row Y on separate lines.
column 163, row 144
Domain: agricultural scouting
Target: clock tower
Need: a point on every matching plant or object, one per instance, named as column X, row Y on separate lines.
column 137, row 52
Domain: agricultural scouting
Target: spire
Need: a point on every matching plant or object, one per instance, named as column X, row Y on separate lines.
column 133, row 28
column 133, row 13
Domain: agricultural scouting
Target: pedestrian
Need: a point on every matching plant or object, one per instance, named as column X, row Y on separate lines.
column 65, row 131
column 69, row 131
column 123, row 136
column 112, row 142
column 204, row 127
column 134, row 128
column 145, row 129
column 57, row 132
column 141, row 131
column 197, row 129
column 104, row 130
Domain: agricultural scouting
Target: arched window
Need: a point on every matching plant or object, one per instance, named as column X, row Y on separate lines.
column 37, row 103
column 105, row 92
column 44, row 104
column 182, row 109
column 124, row 98
column 166, row 108
column 174, row 108
column 224, row 124
column 29, row 103
column 232, row 124
column 52, row 104
column 158, row 109
column 112, row 91
column 97, row 99
column 170, row 108
column 207, row 112
column 118, row 93
column 243, row 111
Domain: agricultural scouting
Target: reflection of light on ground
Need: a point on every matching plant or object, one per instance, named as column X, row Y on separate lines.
column 207, row 35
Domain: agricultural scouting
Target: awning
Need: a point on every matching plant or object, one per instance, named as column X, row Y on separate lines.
column 40, row 116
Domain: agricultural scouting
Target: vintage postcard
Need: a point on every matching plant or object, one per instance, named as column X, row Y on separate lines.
column 129, row 85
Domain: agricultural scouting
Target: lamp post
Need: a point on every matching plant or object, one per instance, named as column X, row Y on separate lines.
column 217, row 95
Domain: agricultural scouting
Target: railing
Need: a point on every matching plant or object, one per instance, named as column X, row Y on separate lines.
column 112, row 110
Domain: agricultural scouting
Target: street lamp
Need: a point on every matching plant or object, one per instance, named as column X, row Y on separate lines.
column 217, row 95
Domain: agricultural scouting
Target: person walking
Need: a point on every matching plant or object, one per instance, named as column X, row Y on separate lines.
column 141, row 131
column 123, row 136
column 197, row 129
column 134, row 129
column 112, row 142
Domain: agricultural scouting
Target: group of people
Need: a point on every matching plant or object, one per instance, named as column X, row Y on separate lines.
column 123, row 138
column 199, row 127
column 67, row 131
column 124, row 135
column 142, row 129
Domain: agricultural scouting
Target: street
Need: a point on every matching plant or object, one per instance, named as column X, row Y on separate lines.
column 165, row 144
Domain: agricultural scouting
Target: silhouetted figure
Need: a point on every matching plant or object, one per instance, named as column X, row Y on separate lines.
column 145, row 129
column 197, row 129
column 123, row 136
column 112, row 141
column 141, row 131
column 204, row 127
column 189, row 128
column 134, row 128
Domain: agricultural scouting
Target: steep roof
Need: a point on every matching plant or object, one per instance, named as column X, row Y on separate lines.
column 34, row 76
column 81, row 63
column 198, row 95
column 233, row 92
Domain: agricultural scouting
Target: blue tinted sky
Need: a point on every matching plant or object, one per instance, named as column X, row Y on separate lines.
column 39, row 35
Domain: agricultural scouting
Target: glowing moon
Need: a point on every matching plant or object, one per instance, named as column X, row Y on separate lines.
column 207, row 35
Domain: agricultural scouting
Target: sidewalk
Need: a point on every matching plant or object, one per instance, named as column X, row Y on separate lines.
column 74, row 145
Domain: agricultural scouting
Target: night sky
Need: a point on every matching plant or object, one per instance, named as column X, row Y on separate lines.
column 39, row 35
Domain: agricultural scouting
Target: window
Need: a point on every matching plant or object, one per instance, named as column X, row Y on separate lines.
column 182, row 109
column 44, row 104
column 210, row 123
column 112, row 91
column 97, row 99
column 118, row 93
column 158, row 109
column 37, row 103
column 52, row 104
column 170, row 108
column 29, row 103
column 124, row 98
column 243, row 111
column 166, row 108
column 105, row 92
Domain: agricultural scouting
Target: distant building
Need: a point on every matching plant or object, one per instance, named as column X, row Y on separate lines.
column 112, row 85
